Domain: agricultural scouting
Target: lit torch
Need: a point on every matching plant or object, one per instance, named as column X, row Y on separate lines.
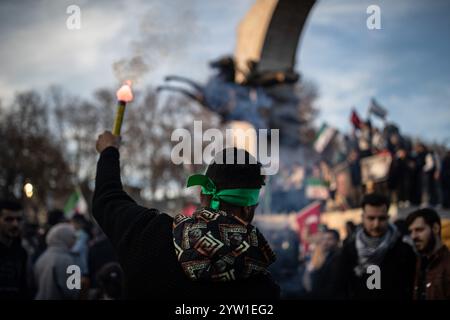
column 124, row 95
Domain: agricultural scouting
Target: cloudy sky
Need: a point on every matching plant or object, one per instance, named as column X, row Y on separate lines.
column 405, row 65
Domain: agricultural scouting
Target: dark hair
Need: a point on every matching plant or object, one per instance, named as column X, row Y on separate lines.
column 9, row 204
column 429, row 215
column 55, row 216
column 78, row 218
column 401, row 226
column 334, row 232
column 85, row 224
column 110, row 280
column 376, row 200
column 350, row 225
column 234, row 176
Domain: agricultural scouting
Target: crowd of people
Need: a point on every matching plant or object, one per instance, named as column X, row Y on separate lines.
column 418, row 174
column 335, row 264
column 409, row 172
column 129, row 251
column 409, row 255
column 413, row 261
column 34, row 260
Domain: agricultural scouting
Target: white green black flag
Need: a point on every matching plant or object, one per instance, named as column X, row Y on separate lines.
column 323, row 138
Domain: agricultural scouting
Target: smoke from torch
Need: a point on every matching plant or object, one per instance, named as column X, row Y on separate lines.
column 124, row 95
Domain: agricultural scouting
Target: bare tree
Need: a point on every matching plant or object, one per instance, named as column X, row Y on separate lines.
column 29, row 152
column 147, row 144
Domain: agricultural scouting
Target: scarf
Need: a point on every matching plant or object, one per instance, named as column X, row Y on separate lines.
column 243, row 197
column 371, row 251
column 214, row 246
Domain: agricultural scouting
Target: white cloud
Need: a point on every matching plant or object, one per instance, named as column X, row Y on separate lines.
column 340, row 92
column 46, row 52
column 336, row 52
column 335, row 13
column 425, row 114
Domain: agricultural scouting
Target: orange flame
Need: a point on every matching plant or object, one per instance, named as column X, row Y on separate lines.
column 125, row 93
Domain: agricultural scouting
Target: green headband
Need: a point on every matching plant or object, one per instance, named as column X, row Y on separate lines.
column 240, row 197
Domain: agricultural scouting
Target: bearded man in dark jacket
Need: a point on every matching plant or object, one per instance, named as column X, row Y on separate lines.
column 375, row 263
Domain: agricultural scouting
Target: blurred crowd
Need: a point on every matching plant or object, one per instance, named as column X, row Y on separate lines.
column 71, row 258
column 418, row 174
column 411, row 254
column 36, row 260
column 369, row 159
column 47, row 261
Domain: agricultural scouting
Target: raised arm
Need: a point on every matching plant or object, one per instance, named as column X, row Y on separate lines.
column 114, row 210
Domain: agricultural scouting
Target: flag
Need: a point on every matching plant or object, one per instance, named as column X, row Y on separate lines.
column 308, row 220
column 377, row 110
column 355, row 120
column 323, row 138
column 316, row 189
column 376, row 168
column 75, row 204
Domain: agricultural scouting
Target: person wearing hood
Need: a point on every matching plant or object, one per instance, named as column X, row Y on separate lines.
column 375, row 263
column 215, row 254
column 50, row 270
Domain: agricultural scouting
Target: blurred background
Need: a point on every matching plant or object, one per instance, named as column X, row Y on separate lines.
column 358, row 109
